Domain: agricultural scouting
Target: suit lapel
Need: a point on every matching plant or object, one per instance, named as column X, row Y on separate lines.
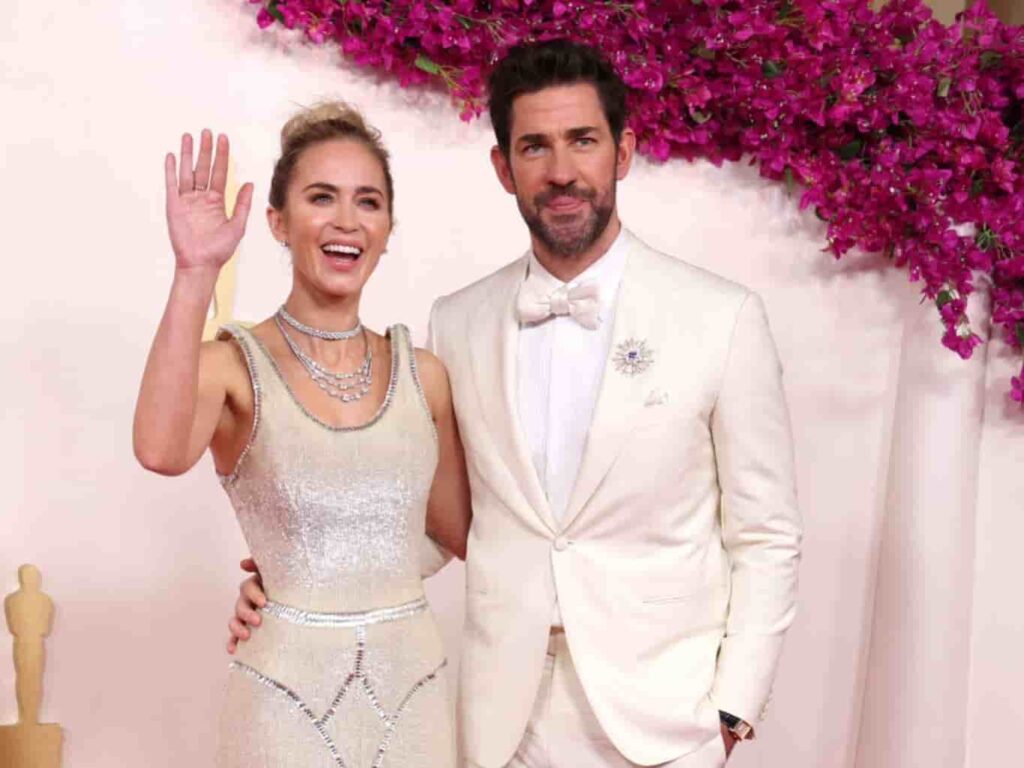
column 621, row 397
column 493, row 337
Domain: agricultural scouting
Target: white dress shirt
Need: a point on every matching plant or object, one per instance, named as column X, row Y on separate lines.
column 560, row 366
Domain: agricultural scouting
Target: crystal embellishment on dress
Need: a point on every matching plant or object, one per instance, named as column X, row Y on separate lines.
column 633, row 357
column 360, row 619
column 358, row 674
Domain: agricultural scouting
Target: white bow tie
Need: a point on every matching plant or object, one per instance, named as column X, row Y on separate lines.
column 538, row 302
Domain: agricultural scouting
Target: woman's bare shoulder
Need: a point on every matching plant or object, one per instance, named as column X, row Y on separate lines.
column 225, row 357
column 434, row 380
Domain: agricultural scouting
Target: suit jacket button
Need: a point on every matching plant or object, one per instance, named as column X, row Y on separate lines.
column 562, row 544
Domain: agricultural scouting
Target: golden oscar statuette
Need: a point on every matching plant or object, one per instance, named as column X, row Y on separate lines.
column 29, row 614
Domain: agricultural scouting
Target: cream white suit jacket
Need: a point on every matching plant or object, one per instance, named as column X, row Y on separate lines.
column 676, row 563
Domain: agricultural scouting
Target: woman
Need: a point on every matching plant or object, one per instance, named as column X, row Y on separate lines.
column 336, row 445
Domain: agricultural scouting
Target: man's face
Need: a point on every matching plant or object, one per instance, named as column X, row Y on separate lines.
column 563, row 165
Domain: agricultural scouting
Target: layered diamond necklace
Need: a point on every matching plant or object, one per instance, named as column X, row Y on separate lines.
column 346, row 387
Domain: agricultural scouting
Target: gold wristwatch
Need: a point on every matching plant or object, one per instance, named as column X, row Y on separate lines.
column 741, row 729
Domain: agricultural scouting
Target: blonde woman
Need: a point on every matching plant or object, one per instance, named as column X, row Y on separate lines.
column 336, row 445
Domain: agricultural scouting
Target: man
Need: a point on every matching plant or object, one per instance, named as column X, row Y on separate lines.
column 632, row 560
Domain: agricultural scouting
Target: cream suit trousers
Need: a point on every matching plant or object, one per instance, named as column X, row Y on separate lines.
column 563, row 730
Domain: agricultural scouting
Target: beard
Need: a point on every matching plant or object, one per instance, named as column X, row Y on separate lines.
column 569, row 235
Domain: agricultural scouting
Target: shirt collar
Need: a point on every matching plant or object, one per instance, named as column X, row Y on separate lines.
column 606, row 272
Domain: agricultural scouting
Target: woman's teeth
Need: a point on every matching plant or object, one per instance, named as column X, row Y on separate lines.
column 343, row 251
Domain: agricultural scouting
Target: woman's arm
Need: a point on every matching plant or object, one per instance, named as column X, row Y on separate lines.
column 449, row 512
column 185, row 384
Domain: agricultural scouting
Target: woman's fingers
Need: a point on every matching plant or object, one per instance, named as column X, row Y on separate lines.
column 243, row 204
column 170, row 176
column 253, row 592
column 238, row 629
column 186, row 180
column 246, row 612
column 202, row 173
column 219, row 179
column 210, row 172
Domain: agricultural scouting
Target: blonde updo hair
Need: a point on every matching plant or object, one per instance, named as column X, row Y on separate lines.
column 325, row 121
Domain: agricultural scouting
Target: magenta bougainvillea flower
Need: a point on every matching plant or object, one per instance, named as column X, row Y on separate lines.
column 905, row 135
column 1017, row 388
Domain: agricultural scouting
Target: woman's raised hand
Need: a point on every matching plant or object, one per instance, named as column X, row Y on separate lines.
column 202, row 234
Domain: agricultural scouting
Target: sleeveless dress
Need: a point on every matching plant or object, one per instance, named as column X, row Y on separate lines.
column 347, row 667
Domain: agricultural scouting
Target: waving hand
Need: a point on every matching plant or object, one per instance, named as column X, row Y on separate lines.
column 202, row 234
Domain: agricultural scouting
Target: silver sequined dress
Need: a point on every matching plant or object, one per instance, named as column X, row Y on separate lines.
column 346, row 668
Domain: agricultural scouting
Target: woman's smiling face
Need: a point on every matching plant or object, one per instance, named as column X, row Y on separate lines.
column 336, row 218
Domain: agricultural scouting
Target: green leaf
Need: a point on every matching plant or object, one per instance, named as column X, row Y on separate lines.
column 977, row 185
column 1020, row 332
column 773, row 68
column 428, row 66
column 942, row 90
column 790, row 181
column 991, row 59
column 466, row 23
column 704, row 52
column 985, row 238
column 700, row 117
column 274, row 11
column 943, row 298
column 851, row 150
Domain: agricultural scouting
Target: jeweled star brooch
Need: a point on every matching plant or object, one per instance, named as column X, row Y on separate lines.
column 633, row 357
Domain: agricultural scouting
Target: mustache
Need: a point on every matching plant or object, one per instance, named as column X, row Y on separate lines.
column 570, row 190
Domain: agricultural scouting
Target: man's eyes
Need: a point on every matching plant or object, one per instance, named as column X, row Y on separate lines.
column 581, row 141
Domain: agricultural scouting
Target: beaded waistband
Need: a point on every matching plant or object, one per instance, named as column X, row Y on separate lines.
column 356, row 619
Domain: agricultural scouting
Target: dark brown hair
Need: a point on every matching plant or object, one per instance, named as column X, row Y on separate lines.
column 531, row 67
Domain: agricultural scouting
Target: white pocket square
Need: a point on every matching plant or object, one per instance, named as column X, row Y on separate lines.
column 656, row 397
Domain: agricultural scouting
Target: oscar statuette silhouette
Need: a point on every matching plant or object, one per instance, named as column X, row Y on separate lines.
column 29, row 614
